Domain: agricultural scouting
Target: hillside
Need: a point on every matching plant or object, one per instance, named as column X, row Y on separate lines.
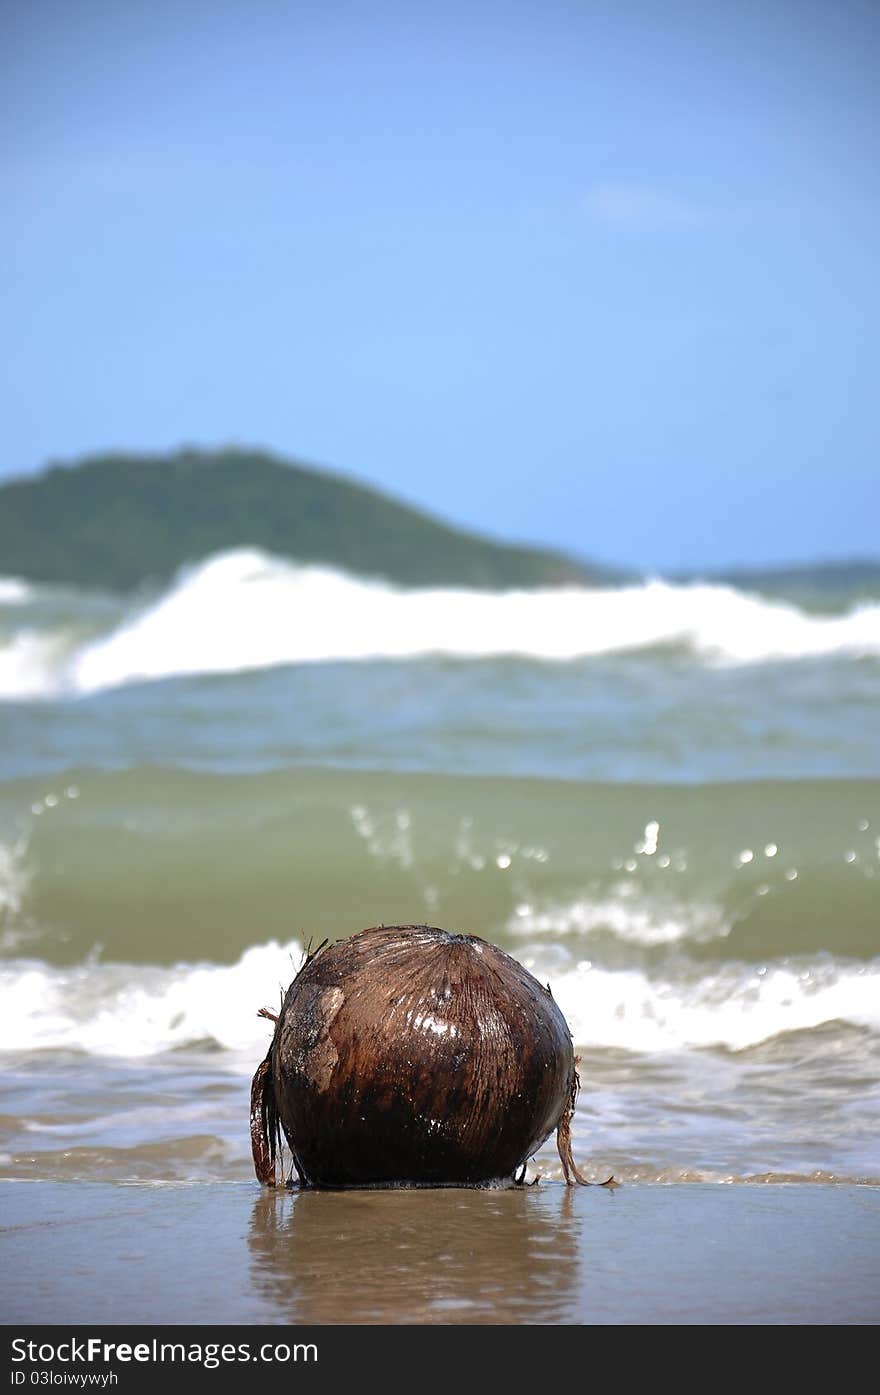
column 116, row 521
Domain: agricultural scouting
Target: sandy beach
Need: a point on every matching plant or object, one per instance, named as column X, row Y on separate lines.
column 234, row 1254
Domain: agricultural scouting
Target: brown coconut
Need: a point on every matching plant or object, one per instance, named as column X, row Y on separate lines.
column 407, row 1055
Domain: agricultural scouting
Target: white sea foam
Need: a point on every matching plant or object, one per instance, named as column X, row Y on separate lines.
column 735, row 1007
column 246, row 610
column 13, row 591
column 133, row 1011
column 139, row 1011
column 33, row 665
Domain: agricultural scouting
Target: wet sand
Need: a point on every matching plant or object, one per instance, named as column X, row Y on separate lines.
column 74, row 1253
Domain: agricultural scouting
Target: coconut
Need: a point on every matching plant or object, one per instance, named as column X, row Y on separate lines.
column 407, row 1055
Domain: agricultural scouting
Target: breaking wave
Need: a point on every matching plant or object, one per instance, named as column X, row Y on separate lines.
column 139, row 1011
column 116, row 1010
column 246, row 610
column 13, row 591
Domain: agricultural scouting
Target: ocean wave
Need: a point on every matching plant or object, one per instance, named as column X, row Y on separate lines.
column 119, row 1010
column 140, row 1011
column 15, row 879
column 246, row 610
column 161, row 865
column 628, row 911
column 34, row 665
column 13, row 591
column 736, row 1006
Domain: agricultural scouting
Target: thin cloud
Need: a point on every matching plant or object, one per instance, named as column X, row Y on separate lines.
column 636, row 206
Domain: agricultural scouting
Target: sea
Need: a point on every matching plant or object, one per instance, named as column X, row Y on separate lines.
column 662, row 797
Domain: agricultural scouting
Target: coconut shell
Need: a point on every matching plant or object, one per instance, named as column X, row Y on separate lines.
column 408, row 1055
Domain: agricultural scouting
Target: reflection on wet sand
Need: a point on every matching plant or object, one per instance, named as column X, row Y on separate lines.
column 419, row 1256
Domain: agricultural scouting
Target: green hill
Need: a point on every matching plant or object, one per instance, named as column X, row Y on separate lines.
column 116, row 521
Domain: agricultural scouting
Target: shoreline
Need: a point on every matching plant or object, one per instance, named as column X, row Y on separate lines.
column 233, row 1253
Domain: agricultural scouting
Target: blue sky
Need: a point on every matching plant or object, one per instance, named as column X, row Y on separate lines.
column 597, row 275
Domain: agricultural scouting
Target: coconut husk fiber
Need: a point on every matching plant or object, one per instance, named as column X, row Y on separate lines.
column 407, row 1055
